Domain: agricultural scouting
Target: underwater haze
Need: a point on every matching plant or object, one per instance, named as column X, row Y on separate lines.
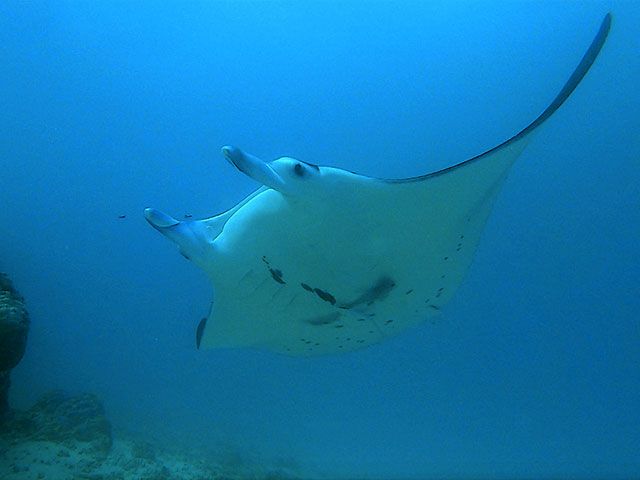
column 533, row 370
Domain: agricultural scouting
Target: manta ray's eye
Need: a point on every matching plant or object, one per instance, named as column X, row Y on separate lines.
column 298, row 169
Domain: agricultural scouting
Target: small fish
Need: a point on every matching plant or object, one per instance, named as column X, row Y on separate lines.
column 122, row 216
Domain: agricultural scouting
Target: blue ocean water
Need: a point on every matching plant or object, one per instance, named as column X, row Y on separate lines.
column 532, row 371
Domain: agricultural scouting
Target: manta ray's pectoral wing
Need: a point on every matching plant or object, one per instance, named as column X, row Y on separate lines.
column 457, row 200
column 450, row 207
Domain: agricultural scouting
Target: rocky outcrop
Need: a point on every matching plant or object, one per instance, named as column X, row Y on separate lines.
column 14, row 326
column 65, row 420
column 66, row 437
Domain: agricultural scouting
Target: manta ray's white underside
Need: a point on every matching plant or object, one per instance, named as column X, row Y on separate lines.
column 320, row 260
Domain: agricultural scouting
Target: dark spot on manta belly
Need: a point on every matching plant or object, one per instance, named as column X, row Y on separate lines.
column 326, row 296
column 323, row 294
column 378, row 291
column 277, row 275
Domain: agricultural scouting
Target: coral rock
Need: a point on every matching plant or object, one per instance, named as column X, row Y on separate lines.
column 14, row 325
column 66, row 420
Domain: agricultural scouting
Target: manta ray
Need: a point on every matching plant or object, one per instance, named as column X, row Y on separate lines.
column 320, row 260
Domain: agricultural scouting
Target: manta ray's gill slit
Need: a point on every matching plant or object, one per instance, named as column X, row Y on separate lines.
column 248, row 274
column 282, row 287
column 293, row 297
column 258, row 287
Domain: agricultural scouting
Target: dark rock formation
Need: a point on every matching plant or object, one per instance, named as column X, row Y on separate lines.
column 63, row 419
column 68, row 437
column 14, row 326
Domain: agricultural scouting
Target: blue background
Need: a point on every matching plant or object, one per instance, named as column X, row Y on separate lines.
column 533, row 370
